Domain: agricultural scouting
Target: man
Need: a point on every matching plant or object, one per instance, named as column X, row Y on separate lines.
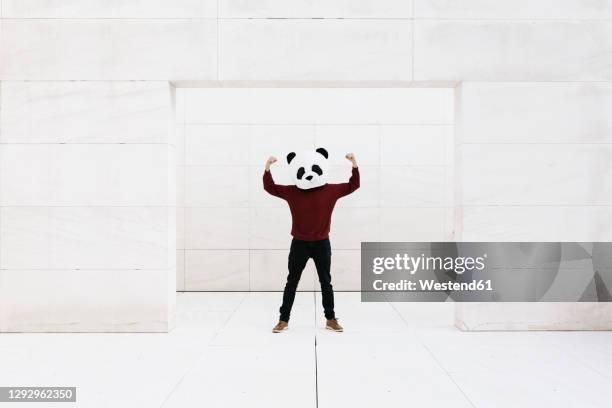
column 311, row 211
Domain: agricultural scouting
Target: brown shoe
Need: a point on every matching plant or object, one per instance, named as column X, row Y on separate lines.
column 280, row 326
column 333, row 325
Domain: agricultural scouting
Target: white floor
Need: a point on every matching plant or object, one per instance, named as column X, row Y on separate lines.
column 222, row 354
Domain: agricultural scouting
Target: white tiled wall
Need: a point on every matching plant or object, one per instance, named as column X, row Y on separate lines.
column 537, row 112
column 517, row 9
column 555, row 53
column 534, row 163
column 70, row 174
column 89, row 300
column 84, row 237
column 512, row 50
column 108, row 49
column 323, row 105
column 132, row 9
column 87, row 206
column 236, row 236
column 316, row 9
column 334, row 40
column 92, row 112
column 312, row 49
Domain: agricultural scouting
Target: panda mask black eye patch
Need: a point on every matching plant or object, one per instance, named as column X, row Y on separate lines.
column 317, row 169
column 300, row 173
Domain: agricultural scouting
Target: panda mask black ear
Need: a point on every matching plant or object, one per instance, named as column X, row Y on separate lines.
column 290, row 157
column 322, row 152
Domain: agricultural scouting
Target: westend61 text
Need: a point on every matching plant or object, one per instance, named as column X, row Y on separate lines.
column 431, row 285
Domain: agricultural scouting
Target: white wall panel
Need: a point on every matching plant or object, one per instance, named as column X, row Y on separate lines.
column 412, row 186
column 541, row 174
column 180, row 140
column 84, row 300
column 412, row 224
column 180, row 227
column 217, row 186
column 512, row 51
column 351, row 226
column 279, row 141
column 315, row 49
column 270, row 228
column 109, row 9
column 319, row 106
column 181, row 173
column 179, row 105
column 84, row 112
column 517, row 9
column 545, row 223
column 216, row 228
column 217, row 270
column 535, row 168
column 212, row 145
column 85, row 174
column 85, row 238
column 572, row 112
column 415, row 145
column 47, row 49
column 316, row 9
column 87, row 219
column 180, row 270
column 345, row 270
column 170, row 179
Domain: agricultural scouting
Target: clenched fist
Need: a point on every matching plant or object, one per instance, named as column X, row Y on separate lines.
column 351, row 157
column 270, row 161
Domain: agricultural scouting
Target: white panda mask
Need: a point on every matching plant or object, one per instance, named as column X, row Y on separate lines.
column 309, row 169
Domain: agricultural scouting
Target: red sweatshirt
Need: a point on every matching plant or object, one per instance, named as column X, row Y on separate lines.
column 311, row 209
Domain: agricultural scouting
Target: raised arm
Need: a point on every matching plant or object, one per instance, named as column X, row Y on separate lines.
column 353, row 183
column 268, row 182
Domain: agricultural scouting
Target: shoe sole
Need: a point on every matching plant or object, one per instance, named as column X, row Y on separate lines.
column 280, row 331
column 334, row 330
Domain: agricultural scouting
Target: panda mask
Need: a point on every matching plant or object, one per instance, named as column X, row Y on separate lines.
column 309, row 168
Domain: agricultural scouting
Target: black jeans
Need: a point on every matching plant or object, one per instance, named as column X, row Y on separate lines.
column 300, row 252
